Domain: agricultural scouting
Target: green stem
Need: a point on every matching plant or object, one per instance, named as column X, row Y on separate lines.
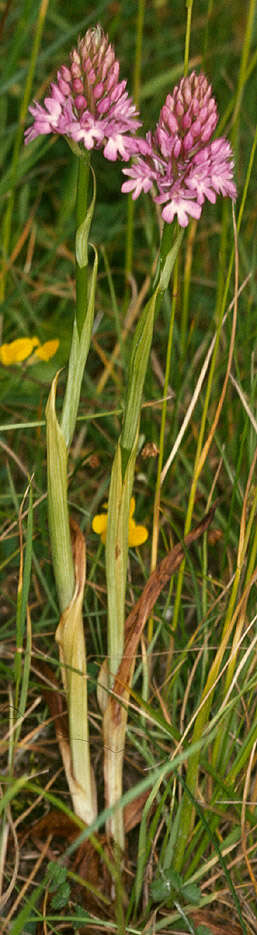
column 186, row 290
column 171, row 236
column 222, row 256
column 206, row 36
column 156, row 509
column 84, row 316
column 81, row 210
column 142, row 340
column 189, row 4
column 138, row 51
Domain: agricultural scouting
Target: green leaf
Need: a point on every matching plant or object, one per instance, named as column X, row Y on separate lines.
column 175, row 880
column 192, row 894
column 160, row 890
column 137, row 370
column 82, row 234
column 117, row 552
column 78, row 357
column 168, row 262
column 23, row 593
column 57, row 503
column 61, row 897
column 170, row 885
column 56, row 875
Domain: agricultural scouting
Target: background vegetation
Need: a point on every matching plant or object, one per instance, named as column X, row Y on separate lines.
column 46, row 887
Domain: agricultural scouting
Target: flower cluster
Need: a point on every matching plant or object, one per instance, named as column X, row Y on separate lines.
column 22, row 348
column 136, row 534
column 178, row 161
column 88, row 104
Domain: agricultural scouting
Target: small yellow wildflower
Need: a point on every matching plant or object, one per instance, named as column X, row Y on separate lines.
column 48, row 349
column 17, row 351
column 136, row 534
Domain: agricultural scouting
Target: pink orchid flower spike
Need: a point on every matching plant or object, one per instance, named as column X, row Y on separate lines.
column 178, row 163
column 87, row 103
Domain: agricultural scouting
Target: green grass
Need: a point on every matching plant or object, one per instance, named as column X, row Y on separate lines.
column 190, row 761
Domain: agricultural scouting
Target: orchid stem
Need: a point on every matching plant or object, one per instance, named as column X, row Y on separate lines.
column 156, row 510
column 81, row 210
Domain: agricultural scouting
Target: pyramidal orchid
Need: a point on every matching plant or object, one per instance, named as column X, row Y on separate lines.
column 87, row 103
column 177, row 162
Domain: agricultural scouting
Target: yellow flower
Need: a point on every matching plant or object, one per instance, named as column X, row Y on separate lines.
column 18, row 350
column 136, row 534
column 48, row 349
